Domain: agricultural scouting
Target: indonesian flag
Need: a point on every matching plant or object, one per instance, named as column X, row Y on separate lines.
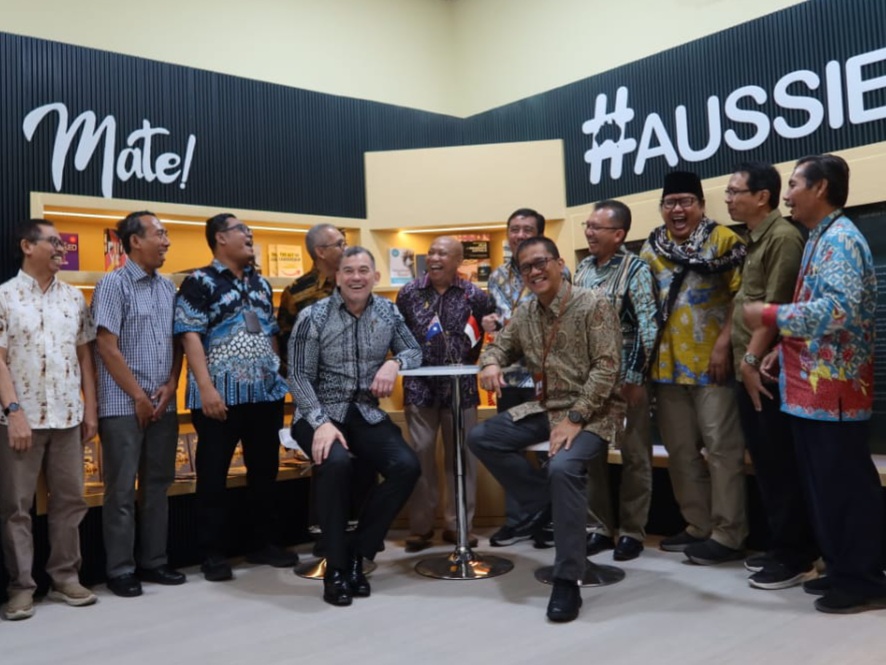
column 436, row 328
column 472, row 330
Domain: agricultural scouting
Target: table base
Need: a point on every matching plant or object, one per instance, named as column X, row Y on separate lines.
column 464, row 565
column 316, row 570
column 595, row 575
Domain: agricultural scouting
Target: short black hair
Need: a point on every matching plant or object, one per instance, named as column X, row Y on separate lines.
column 760, row 176
column 832, row 169
column 620, row 213
column 356, row 249
column 28, row 230
column 216, row 224
column 539, row 240
column 132, row 225
column 529, row 212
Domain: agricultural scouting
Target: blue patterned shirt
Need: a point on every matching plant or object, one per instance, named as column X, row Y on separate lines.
column 634, row 294
column 214, row 303
column 334, row 357
column 508, row 292
column 827, row 347
column 138, row 309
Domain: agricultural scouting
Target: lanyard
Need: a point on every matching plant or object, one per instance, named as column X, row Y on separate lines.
column 550, row 342
column 805, row 269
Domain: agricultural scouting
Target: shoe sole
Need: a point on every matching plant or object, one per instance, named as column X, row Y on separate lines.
column 797, row 580
column 508, row 541
column 854, row 609
column 71, row 600
column 19, row 615
column 815, row 592
column 752, row 569
column 712, row 562
column 626, row 557
column 675, row 548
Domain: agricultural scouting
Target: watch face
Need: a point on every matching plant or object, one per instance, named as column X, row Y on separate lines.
column 574, row 417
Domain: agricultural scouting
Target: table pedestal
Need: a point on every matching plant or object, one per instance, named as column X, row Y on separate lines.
column 595, row 575
column 316, row 570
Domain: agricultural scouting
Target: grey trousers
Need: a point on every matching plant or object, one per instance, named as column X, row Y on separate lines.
column 129, row 452
column 710, row 491
column 423, row 424
column 635, row 494
column 60, row 454
column 499, row 443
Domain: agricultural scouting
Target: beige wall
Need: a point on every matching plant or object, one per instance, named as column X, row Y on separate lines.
column 450, row 56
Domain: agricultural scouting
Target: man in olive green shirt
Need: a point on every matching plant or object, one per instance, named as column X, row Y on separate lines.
column 770, row 270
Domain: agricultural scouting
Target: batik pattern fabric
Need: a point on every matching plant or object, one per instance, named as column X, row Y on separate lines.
column 214, row 303
column 827, row 347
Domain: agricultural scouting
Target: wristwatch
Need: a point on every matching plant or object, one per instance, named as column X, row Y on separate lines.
column 575, row 417
column 752, row 360
column 397, row 360
column 12, row 408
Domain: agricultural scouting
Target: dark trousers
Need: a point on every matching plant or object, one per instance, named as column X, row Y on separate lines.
column 768, row 438
column 381, row 447
column 846, row 502
column 256, row 425
column 511, row 396
column 499, row 442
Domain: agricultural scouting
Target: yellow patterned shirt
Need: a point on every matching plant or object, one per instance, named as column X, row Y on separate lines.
column 698, row 314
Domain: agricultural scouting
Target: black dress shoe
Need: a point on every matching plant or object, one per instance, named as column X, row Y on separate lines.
column 161, row 575
column 125, row 586
column 216, row 569
column 597, row 543
column 357, row 579
column 628, row 548
column 336, row 590
column 565, row 601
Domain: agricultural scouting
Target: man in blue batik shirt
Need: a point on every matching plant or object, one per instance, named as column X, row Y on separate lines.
column 225, row 316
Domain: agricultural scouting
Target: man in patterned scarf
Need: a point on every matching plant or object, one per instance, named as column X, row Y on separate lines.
column 697, row 264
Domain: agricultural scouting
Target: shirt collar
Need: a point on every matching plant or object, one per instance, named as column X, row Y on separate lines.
column 557, row 304
column 221, row 267
column 32, row 283
column 614, row 260
column 824, row 224
column 458, row 282
column 135, row 271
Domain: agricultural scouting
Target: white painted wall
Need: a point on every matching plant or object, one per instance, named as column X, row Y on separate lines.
column 451, row 56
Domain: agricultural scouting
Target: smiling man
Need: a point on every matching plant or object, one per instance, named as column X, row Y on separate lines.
column 225, row 316
column 442, row 310
column 138, row 368
column 697, row 264
column 825, row 368
column 338, row 371
column 45, row 363
column 571, row 341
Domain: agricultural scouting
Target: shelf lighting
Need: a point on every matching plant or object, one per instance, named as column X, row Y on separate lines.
column 172, row 222
column 460, row 229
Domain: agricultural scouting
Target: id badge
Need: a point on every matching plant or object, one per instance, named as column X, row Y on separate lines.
column 538, row 380
column 252, row 324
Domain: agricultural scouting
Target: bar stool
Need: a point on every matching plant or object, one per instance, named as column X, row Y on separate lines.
column 595, row 574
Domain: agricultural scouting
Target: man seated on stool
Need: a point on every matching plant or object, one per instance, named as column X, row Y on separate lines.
column 571, row 341
column 337, row 373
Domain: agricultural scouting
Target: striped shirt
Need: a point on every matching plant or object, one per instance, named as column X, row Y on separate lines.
column 628, row 283
column 138, row 309
column 334, row 357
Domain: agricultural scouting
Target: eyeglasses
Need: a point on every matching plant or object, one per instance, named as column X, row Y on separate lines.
column 538, row 264
column 731, row 192
column 683, row 202
column 238, row 227
column 57, row 243
column 341, row 244
column 587, row 226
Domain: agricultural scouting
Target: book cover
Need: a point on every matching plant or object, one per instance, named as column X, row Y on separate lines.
column 115, row 257
column 92, row 463
column 476, row 266
column 184, row 467
column 238, row 464
column 402, row 265
column 289, row 261
column 72, row 251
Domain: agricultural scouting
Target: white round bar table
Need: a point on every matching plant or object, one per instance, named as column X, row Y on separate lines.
column 463, row 563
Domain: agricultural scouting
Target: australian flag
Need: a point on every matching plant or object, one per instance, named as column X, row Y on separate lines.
column 436, row 328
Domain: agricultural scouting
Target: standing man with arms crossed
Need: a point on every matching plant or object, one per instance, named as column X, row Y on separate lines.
column 139, row 363
column 443, row 311
column 826, row 361
column 697, row 264
column 45, row 363
column 571, row 342
column 627, row 281
column 338, row 372
column 225, row 316
column 769, row 275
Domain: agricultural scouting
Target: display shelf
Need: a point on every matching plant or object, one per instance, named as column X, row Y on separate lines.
column 87, row 279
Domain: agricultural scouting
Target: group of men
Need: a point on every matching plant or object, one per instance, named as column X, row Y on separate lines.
column 700, row 320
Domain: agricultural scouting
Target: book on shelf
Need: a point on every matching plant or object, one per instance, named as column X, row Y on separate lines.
column 476, row 266
column 184, row 465
column 115, row 257
column 92, row 463
column 71, row 261
column 402, row 265
column 289, row 261
column 258, row 260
